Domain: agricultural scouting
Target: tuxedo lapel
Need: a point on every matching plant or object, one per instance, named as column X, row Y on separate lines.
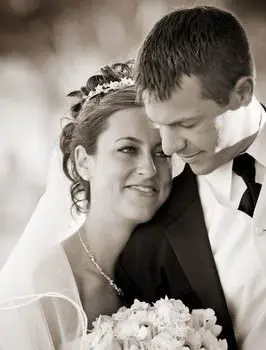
column 187, row 257
column 188, row 237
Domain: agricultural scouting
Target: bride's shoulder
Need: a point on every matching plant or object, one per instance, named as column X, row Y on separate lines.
column 71, row 245
column 72, row 249
column 59, row 256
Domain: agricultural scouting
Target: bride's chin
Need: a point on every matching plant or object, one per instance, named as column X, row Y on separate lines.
column 143, row 216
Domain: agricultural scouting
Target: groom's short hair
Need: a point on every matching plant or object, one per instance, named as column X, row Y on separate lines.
column 204, row 41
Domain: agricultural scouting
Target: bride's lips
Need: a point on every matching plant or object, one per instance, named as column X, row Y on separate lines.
column 146, row 190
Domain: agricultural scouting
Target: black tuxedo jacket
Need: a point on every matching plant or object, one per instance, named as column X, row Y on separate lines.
column 171, row 255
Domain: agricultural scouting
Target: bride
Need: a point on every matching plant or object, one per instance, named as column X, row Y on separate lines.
column 59, row 277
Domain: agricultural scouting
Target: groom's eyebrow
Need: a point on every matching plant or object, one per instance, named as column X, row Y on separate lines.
column 184, row 119
column 175, row 121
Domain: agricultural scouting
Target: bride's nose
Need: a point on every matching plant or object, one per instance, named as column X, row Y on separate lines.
column 146, row 166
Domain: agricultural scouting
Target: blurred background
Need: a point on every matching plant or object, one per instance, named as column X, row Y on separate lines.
column 48, row 48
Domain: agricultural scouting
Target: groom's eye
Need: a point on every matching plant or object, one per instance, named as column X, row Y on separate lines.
column 188, row 124
column 160, row 154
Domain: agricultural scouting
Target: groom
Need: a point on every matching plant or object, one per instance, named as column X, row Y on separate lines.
column 207, row 244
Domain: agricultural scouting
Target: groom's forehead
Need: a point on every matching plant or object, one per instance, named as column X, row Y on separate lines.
column 168, row 112
column 187, row 92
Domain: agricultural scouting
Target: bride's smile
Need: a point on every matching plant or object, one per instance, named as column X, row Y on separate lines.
column 129, row 174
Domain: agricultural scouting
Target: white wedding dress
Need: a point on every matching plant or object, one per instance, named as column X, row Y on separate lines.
column 41, row 286
column 39, row 299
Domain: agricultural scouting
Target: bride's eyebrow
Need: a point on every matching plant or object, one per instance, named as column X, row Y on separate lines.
column 129, row 138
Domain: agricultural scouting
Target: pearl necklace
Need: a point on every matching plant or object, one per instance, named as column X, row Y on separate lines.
column 98, row 267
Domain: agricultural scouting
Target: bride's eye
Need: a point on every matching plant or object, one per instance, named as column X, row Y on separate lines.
column 128, row 150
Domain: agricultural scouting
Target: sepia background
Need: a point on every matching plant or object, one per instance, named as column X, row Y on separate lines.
column 48, row 48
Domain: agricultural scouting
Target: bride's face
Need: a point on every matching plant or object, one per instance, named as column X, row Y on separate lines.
column 130, row 177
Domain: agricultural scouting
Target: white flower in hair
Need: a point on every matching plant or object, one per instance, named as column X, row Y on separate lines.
column 99, row 89
column 113, row 85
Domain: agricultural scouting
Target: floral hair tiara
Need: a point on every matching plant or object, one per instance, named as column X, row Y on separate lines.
column 111, row 86
column 121, row 75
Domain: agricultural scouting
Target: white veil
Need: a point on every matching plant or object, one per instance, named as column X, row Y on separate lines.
column 39, row 300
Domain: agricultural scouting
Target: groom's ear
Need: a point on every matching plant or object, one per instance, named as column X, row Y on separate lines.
column 242, row 93
column 83, row 163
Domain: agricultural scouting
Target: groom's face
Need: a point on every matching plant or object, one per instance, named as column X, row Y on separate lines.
column 188, row 127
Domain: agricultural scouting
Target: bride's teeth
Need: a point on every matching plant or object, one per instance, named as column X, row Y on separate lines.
column 144, row 189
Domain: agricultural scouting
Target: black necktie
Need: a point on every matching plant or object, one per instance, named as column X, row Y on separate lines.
column 244, row 166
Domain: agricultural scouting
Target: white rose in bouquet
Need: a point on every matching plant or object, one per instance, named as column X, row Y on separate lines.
column 166, row 325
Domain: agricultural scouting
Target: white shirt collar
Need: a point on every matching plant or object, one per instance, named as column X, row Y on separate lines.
column 222, row 176
column 257, row 148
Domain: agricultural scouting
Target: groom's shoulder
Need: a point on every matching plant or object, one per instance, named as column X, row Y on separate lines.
column 184, row 191
column 150, row 236
column 184, row 180
column 148, row 240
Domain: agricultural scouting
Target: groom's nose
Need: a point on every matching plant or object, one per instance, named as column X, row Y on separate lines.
column 172, row 141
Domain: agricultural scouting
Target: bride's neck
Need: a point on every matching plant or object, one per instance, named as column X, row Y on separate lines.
column 106, row 237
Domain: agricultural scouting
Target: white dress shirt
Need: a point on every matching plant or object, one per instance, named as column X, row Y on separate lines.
column 238, row 241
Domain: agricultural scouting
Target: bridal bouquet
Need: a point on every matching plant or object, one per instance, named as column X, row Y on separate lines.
column 166, row 325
